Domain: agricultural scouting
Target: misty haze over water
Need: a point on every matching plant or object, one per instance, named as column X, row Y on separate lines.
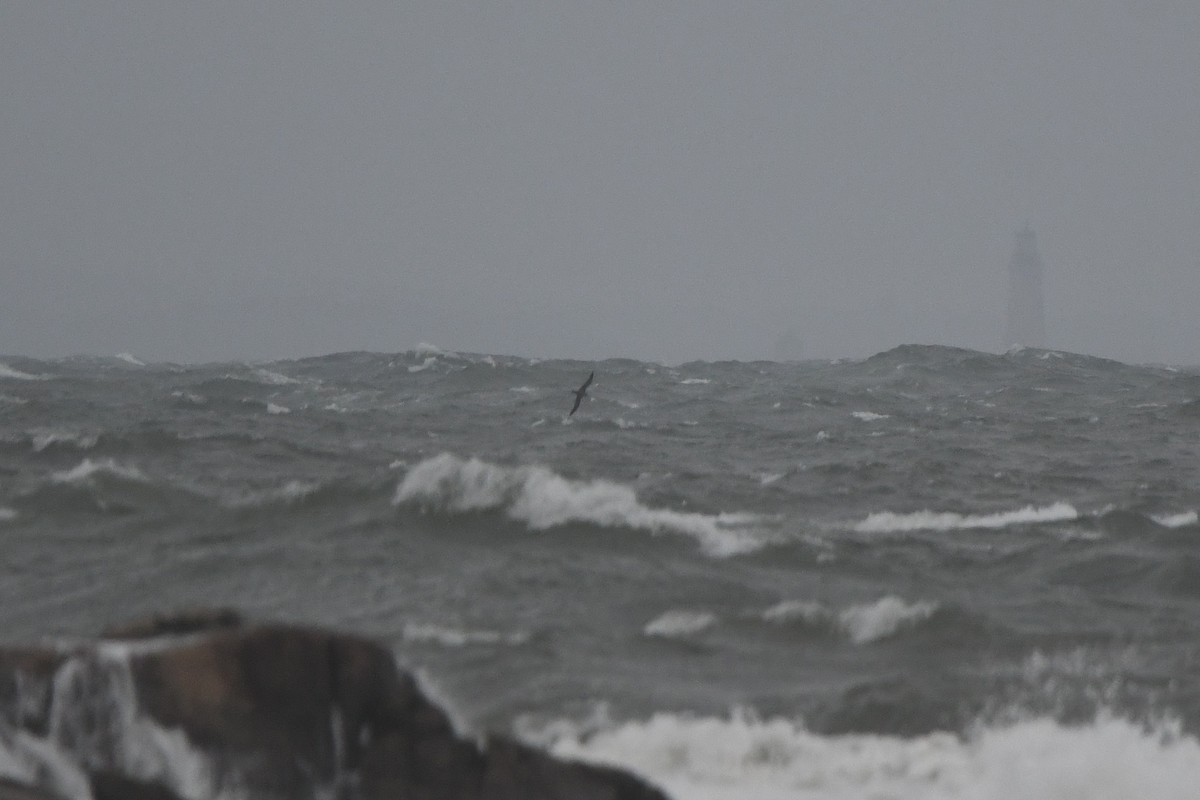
column 197, row 182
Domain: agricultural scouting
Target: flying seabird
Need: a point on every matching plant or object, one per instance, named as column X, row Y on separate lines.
column 580, row 392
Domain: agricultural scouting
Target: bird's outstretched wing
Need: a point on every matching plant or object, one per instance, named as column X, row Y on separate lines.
column 581, row 391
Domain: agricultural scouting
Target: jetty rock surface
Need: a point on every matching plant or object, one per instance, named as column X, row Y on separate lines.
column 207, row 706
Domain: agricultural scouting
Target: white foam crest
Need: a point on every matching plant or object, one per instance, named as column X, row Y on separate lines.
column 543, row 499
column 679, row 623
column 94, row 715
column 12, row 401
column 129, row 358
column 457, row 637
column 891, row 522
column 523, row 389
column 42, row 439
column 743, row 756
column 1176, row 520
column 87, row 469
column 7, row 514
column 31, row 761
column 862, row 623
column 273, row 378
column 191, row 397
column 692, row 381
column 16, row 374
column 873, row 621
column 276, row 409
column 869, row 416
column 290, row 492
column 767, row 478
column 424, row 365
column 426, row 349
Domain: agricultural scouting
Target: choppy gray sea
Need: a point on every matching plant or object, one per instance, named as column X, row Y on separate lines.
column 931, row 573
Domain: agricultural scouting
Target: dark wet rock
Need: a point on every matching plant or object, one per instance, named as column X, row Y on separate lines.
column 12, row 790
column 108, row 785
column 192, row 704
column 176, row 624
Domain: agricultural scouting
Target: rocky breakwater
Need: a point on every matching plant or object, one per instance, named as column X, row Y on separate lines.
column 207, row 706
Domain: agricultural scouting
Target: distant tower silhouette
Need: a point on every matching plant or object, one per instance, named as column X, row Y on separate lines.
column 1026, row 312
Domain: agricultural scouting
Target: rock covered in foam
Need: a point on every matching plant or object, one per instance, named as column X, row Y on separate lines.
column 203, row 705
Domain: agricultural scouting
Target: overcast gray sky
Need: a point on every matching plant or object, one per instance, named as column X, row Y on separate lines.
column 669, row 181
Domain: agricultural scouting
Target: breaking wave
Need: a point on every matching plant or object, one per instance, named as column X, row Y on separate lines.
column 861, row 624
column 542, row 499
column 743, row 755
column 87, row 470
column 891, row 522
column 16, row 374
column 1176, row 520
column 445, row 636
column 677, row 623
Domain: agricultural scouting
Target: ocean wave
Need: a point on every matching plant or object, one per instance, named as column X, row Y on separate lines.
column 542, row 499
column 16, row 374
column 287, row 494
column 869, row 416
column 743, row 755
column 272, row 378
column 7, row 514
column 1182, row 520
column 892, row 522
column 129, row 358
column 861, row 624
column 679, row 623
column 42, row 439
column 87, row 470
column 458, row 637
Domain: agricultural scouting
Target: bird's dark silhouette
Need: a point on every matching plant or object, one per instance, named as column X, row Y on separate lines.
column 580, row 392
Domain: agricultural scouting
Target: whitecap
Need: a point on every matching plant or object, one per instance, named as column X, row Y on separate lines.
column 86, row 469
column 862, row 623
column 16, row 374
column 275, row 409
column 190, row 397
column 522, row 389
column 542, row 499
column 424, row 365
column 272, row 378
column 891, row 522
column 870, row 622
column 746, row 756
column 291, row 492
column 767, row 478
column 691, row 381
column 679, row 623
column 869, row 416
column 7, row 514
column 42, row 439
column 129, row 358
column 457, row 637
column 1176, row 520
column 427, row 349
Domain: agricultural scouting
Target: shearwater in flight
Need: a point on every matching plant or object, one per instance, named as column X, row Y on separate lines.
column 581, row 391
